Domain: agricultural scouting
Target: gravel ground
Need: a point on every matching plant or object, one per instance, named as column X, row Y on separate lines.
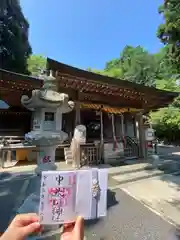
column 10, row 187
column 129, row 219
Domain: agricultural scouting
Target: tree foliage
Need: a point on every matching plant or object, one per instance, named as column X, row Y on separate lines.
column 134, row 65
column 14, row 45
column 138, row 66
column 36, row 63
column 169, row 31
column 166, row 122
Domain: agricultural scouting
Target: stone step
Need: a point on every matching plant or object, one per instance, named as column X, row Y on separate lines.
column 121, row 159
column 68, row 156
column 67, row 151
column 128, row 168
column 68, row 161
column 136, row 175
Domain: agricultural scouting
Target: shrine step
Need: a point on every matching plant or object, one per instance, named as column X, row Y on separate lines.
column 121, row 159
column 68, row 155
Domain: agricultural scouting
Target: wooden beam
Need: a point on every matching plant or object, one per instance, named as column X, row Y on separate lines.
column 114, row 101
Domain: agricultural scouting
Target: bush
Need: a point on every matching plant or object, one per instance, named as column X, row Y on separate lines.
column 166, row 122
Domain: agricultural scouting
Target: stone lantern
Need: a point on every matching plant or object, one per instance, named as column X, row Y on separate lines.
column 48, row 106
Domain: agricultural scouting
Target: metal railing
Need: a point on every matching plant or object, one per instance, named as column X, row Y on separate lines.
column 131, row 147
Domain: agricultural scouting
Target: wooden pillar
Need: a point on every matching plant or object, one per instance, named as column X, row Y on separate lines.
column 9, row 157
column 136, row 123
column 125, row 124
column 113, row 130
column 134, row 126
column 102, row 138
column 3, row 158
column 77, row 111
column 122, row 129
column 77, row 114
column 140, row 133
column 113, row 127
column 32, row 120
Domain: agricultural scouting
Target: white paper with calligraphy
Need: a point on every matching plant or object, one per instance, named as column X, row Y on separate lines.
column 66, row 194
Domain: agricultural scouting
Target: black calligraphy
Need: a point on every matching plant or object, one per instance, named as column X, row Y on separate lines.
column 43, row 185
column 59, row 179
column 57, row 212
column 58, row 200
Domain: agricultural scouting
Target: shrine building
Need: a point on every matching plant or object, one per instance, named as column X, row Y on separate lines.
column 111, row 109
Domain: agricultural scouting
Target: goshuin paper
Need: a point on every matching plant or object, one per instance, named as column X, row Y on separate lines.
column 64, row 195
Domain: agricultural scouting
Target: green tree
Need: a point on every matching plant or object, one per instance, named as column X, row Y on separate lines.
column 14, row 45
column 164, row 69
column 111, row 72
column 169, row 31
column 166, row 122
column 138, row 66
column 36, row 63
column 113, row 68
column 134, row 65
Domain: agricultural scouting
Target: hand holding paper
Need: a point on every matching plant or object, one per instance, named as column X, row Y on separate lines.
column 65, row 195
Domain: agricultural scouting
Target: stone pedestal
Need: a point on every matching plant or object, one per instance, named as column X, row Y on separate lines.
column 45, row 162
column 46, row 159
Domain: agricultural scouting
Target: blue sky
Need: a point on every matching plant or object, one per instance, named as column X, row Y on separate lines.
column 88, row 33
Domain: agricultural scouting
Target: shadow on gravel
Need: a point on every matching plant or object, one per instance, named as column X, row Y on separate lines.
column 8, row 176
column 174, row 182
column 118, row 164
column 111, row 201
column 174, row 235
column 171, row 175
column 10, row 189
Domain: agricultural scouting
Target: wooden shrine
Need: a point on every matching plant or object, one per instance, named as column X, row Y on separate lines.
column 110, row 108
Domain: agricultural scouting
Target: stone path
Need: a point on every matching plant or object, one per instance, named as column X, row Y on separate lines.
column 153, row 188
column 31, row 168
column 168, row 149
column 10, row 188
column 131, row 173
column 128, row 219
column 159, row 193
